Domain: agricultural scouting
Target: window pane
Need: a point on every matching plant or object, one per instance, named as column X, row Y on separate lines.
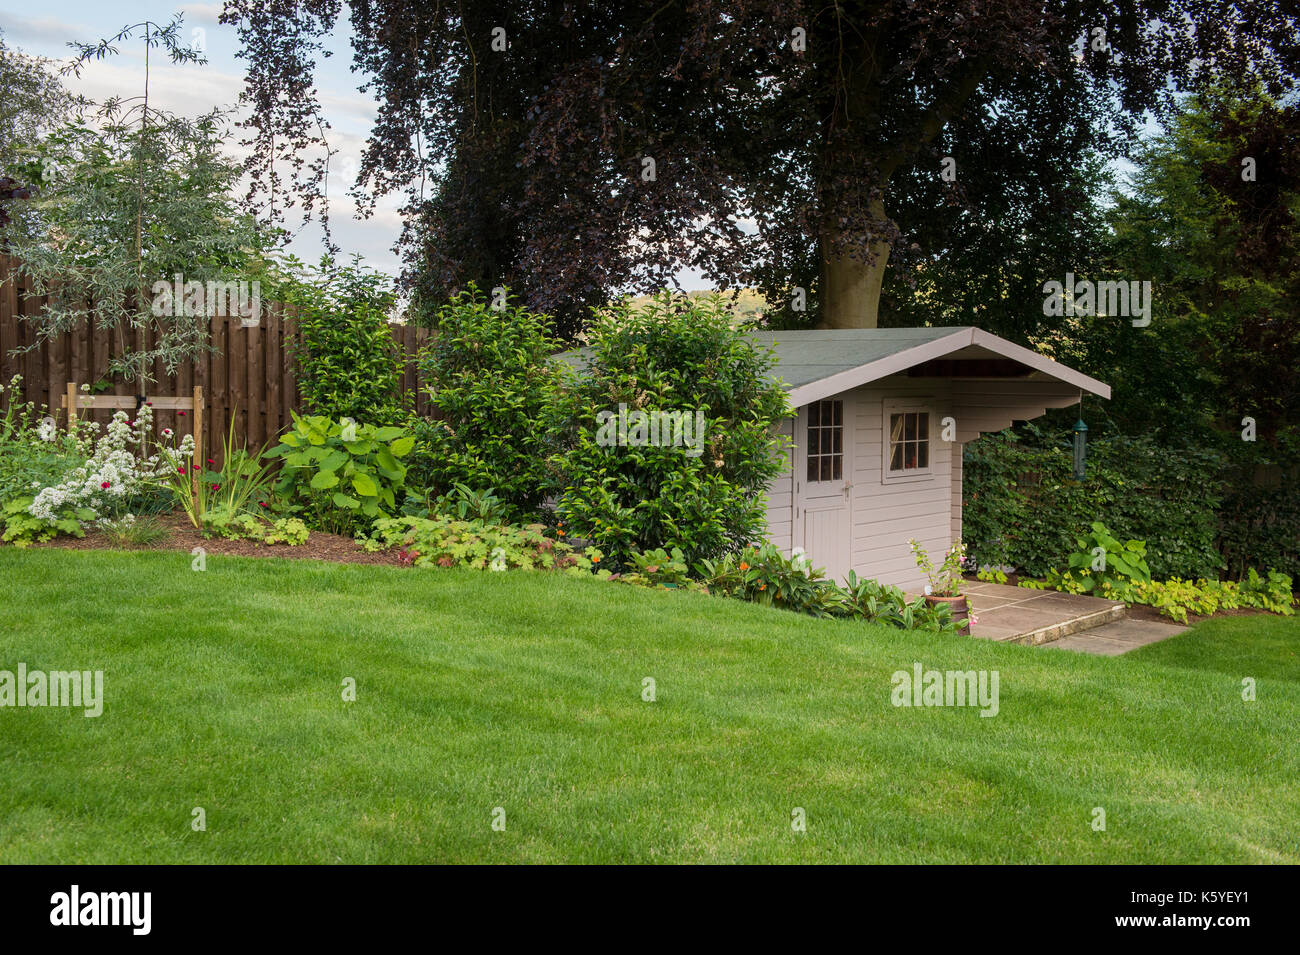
column 895, row 427
column 923, row 425
column 838, row 408
column 909, row 429
column 896, row 458
column 838, row 463
column 837, row 441
column 827, row 413
column 923, row 454
column 812, row 469
column 814, row 441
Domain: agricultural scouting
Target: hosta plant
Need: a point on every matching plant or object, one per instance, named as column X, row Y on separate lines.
column 341, row 475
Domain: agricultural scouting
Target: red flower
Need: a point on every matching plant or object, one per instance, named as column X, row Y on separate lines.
column 263, row 503
column 104, row 485
column 180, row 414
column 210, row 461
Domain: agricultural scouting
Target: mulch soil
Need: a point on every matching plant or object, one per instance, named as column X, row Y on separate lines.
column 183, row 536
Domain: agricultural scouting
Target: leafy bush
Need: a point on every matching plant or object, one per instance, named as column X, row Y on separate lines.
column 240, row 525
column 21, row 528
column 441, row 542
column 339, row 475
column 1101, row 562
column 660, row 568
column 874, row 602
column 764, row 575
column 500, row 401
column 33, row 452
column 674, row 355
column 348, row 363
column 1022, row 506
column 466, row 504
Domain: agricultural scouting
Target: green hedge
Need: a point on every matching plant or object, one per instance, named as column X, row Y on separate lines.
column 1022, row 506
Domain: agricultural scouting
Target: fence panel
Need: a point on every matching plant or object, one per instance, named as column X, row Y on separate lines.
column 252, row 375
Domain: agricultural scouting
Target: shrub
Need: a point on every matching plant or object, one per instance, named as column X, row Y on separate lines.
column 348, row 362
column 660, row 568
column 874, row 602
column 1101, row 562
column 441, row 542
column 339, row 475
column 629, row 495
column 764, row 575
column 1022, row 506
column 500, row 401
column 34, row 453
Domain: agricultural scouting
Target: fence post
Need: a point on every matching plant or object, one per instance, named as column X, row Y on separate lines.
column 197, row 462
column 72, row 408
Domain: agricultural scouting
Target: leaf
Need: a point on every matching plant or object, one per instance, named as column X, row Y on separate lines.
column 324, row 480
column 365, row 484
column 334, row 460
column 342, row 500
column 402, row 446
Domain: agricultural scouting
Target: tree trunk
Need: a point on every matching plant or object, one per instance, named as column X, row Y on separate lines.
column 850, row 290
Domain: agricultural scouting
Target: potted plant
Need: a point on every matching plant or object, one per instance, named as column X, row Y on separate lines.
column 945, row 582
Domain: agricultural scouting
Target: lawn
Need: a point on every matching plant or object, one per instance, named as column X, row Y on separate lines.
column 524, row 691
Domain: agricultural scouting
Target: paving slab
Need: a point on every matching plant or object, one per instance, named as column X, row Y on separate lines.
column 1113, row 639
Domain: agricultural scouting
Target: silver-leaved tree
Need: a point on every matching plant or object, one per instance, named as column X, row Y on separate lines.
column 124, row 209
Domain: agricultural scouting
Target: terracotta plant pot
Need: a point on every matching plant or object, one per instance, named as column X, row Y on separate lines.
column 960, row 610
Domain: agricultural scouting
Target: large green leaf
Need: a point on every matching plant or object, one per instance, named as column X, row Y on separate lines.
column 365, row 484
column 402, row 446
column 334, row 460
column 342, row 500
column 324, row 480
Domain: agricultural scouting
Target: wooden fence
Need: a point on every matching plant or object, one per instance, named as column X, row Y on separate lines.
column 252, row 376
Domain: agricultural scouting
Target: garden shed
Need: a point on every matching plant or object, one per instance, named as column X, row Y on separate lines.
column 882, row 417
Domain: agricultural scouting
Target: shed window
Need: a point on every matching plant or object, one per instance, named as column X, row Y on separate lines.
column 825, row 441
column 909, row 441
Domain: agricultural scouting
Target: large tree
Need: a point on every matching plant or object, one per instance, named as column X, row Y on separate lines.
column 571, row 149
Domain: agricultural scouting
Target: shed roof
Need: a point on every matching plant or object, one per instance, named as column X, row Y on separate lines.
column 816, row 364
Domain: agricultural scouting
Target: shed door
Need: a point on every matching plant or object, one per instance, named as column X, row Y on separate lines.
column 823, row 524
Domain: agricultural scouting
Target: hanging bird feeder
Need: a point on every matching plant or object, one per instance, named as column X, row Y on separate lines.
column 1080, row 449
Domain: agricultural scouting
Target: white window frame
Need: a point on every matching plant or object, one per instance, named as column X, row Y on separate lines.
column 893, row 406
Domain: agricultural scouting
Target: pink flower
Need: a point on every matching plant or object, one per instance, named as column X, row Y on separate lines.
column 105, row 485
column 181, row 469
column 180, row 414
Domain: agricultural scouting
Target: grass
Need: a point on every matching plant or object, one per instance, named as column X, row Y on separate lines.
column 144, row 531
column 524, row 691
